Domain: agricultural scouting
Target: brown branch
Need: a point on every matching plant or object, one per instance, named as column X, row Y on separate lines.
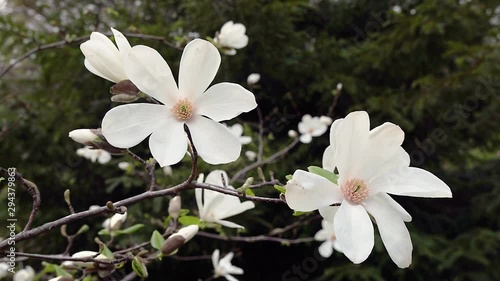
column 68, row 258
column 190, row 258
column 253, row 239
column 236, row 193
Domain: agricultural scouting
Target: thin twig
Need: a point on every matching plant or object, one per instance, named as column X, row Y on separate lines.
column 236, row 193
column 261, row 135
column 68, row 258
column 253, row 239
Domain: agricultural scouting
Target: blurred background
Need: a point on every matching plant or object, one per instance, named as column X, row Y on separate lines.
column 432, row 67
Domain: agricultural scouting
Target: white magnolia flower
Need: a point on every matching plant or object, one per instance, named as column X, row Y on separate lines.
column 311, row 127
column 115, row 222
column 371, row 164
column 4, row 267
column 83, row 136
column 251, row 155
column 25, row 274
column 216, row 206
column 103, row 58
column 102, row 156
column 327, row 234
column 237, row 130
column 189, row 104
column 223, row 267
column 253, row 78
column 232, row 36
column 124, row 165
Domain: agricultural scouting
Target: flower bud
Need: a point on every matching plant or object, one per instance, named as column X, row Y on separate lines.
column 87, row 254
column 102, row 143
column 167, row 170
column 115, row 222
column 253, row 78
column 124, row 91
column 292, row 133
column 339, row 86
column 174, row 207
column 175, row 241
column 83, row 136
column 251, row 155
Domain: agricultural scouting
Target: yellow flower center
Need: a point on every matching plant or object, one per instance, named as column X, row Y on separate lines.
column 183, row 110
column 355, row 191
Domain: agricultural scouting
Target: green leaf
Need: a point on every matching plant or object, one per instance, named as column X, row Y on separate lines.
column 157, row 240
column 83, row 229
column 288, row 177
column 139, row 267
column 249, row 192
column 60, row 271
column 183, row 212
column 324, row 173
column 104, row 231
column 189, row 220
column 280, row 188
column 106, row 251
column 130, row 230
column 299, row 213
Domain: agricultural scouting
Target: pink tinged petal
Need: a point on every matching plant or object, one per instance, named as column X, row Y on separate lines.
column 198, row 67
column 121, row 41
column 147, row 69
column 395, row 205
column 383, row 150
column 127, row 125
column 103, row 55
column 307, row 192
column 328, row 213
column 409, row 181
column 214, row 142
column 326, row 249
column 354, row 231
column 351, row 142
column 225, row 101
column 168, row 143
column 392, row 230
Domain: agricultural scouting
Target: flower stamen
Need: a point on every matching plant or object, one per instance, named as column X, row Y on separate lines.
column 355, row 191
column 183, row 110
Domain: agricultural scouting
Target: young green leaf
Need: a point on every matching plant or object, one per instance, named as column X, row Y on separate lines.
column 189, row 220
column 324, row 173
column 157, row 240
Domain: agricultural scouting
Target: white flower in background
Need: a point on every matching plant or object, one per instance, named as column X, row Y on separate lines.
column 85, row 254
column 115, row 222
column 293, row 134
column 326, row 120
column 83, row 136
column 223, row 267
column 327, row 234
column 251, row 155
column 237, row 130
column 25, row 274
column 231, row 36
column 311, row 127
column 127, row 125
column 339, row 86
column 124, row 165
column 167, row 170
column 371, row 164
column 253, row 79
column 174, row 207
column 103, row 58
column 102, row 156
column 3, row 268
column 215, row 206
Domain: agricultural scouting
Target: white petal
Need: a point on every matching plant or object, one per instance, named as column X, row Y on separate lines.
column 395, row 205
column 234, row 270
column 328, row 213
column 147, row 69
column 321, row 235
column 215, row 258
column 351, row 142
column 214, row 142
column 326, row 249
column 225, row 101
column 229, row 224
column 307, row 192
column 209, row 197
column 237, row 129
column 383, row 146
column 409, row 181
column 226, row 27
column 245, row 139
column 238, row 209
column 215, row 177
column 393, row 231
column 329, row 159
column 354, row 231
column 127, row 125
column 104, row 157
column 92, row 69
column 199, row 64
column 168, row 143
column 305, row 138
column 121, row 41
column 104, row 56
column 230, row 278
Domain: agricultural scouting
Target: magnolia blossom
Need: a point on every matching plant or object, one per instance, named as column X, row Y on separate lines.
column 25, row 274
column 237, row 130
column 293, row 134
column 231, row 36
column 223, row 267
column 3, row 268
column 327, row 234
column 115, row 222
column 253, row 78
column 103, row 58
column 189, row 104
column 124, row 166
column 311, row 127
column 251, row 155
column 102, row 156
column 371, row 164
column 215, row 206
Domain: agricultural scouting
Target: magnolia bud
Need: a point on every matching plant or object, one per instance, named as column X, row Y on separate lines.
column 124, row 91
column 175, row 241
column 116, row 221
column 253, row 78
column 87, row 254
column 174, row 207
column 83, row 136
column 339, row 86
column 292, row 133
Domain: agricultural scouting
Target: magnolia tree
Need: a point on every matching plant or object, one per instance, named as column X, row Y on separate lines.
column 361, row 168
